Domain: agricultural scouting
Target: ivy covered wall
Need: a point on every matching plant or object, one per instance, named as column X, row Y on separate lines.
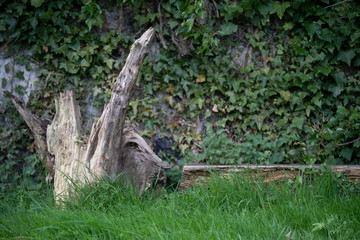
column 228, row 81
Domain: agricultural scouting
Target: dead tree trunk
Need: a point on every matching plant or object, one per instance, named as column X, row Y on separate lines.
column 111, row 149
column 38, row 128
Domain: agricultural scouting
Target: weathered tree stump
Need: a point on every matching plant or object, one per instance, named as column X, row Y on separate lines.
column 112, row 148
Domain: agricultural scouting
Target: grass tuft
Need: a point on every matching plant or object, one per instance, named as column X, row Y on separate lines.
column 317, row 207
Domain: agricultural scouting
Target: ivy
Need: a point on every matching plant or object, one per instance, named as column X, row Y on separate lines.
column 277, row 81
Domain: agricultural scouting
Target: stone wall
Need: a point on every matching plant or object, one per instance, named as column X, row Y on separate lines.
column 18, row 79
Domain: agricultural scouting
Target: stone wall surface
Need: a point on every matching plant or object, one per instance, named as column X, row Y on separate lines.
column 11, row 82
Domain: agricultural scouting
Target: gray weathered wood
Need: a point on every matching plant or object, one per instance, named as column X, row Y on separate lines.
column 108, row 151
column 193, row 173
column 38, row 128
column 104, row 150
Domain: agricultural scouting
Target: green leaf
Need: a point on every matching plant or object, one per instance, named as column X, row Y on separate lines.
column 3, row 82
column 109, row 62
column 276, row 158
column 279, row 8
column 264, row 9
column 347, row 153
column 200, row 102
column 228, row 28
column 308, row 110
column 286, row 95
column 84, row 63
column 298, row 122
column 20, row 90
column 336, row 90
column 314, row 88
column 75, row 44
column 97, row 91
column 37, row 3
column 33, row 22
column 340, row 78
column 259, row 119
column 317, row 100
column 288, row 26
column 172, row 23
column 312, row 28
column 346, row 56
column 323, row 69
column 20, row 75
column 62, row 49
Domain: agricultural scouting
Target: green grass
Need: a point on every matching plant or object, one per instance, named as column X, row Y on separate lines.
column 322, row 207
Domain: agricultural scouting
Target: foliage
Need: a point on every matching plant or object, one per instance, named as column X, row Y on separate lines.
column 304, row 66
column 293, row 97
column 17, row 168
column 313, row 208
column 335, row 141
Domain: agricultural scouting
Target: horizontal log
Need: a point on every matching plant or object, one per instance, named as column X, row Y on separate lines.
column 194, row 173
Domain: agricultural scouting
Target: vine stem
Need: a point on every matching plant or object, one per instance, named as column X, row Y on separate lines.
column 335, row 4
column 343, row 144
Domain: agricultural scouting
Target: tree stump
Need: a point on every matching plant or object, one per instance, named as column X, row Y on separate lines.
column 113, row 146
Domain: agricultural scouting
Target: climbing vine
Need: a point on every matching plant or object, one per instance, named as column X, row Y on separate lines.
column 275, row 81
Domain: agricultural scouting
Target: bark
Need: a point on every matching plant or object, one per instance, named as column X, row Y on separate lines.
column 140, row 162
column 104, row 149
column 199, row 173
column 38, row 128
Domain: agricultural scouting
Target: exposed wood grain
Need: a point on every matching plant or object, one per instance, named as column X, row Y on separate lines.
column 38, row 128
column 104, row 152
column 108, row 151
column 194, row 173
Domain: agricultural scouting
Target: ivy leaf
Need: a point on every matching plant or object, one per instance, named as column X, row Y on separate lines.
column 228, row 28
column 298, row 122
column 172, row 23
column 33, row 22
column 3, row 82
column 37, row 3
column 134, row 105
column 346, row 56
column 340, row 78
column 286, row 95
column 200, row 102
column 347, row 153
column 170, row 88
column 20, row 75
column 97, row 91
column 279, row 8
column 75, row 45
column 84, row 63
column 312, row 28
column 259, row 120
column 336, row 90
column 264, row 9
column 323, row 69
column 170, row 100
column 357, row 62
column 317, row 100
column 308, row 110
column 288, row 26
column 109, row 62
column 20, row 90
column 201, row 78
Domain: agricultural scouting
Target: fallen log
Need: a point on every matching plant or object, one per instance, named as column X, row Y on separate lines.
column 194, row 174
column 113, row 147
